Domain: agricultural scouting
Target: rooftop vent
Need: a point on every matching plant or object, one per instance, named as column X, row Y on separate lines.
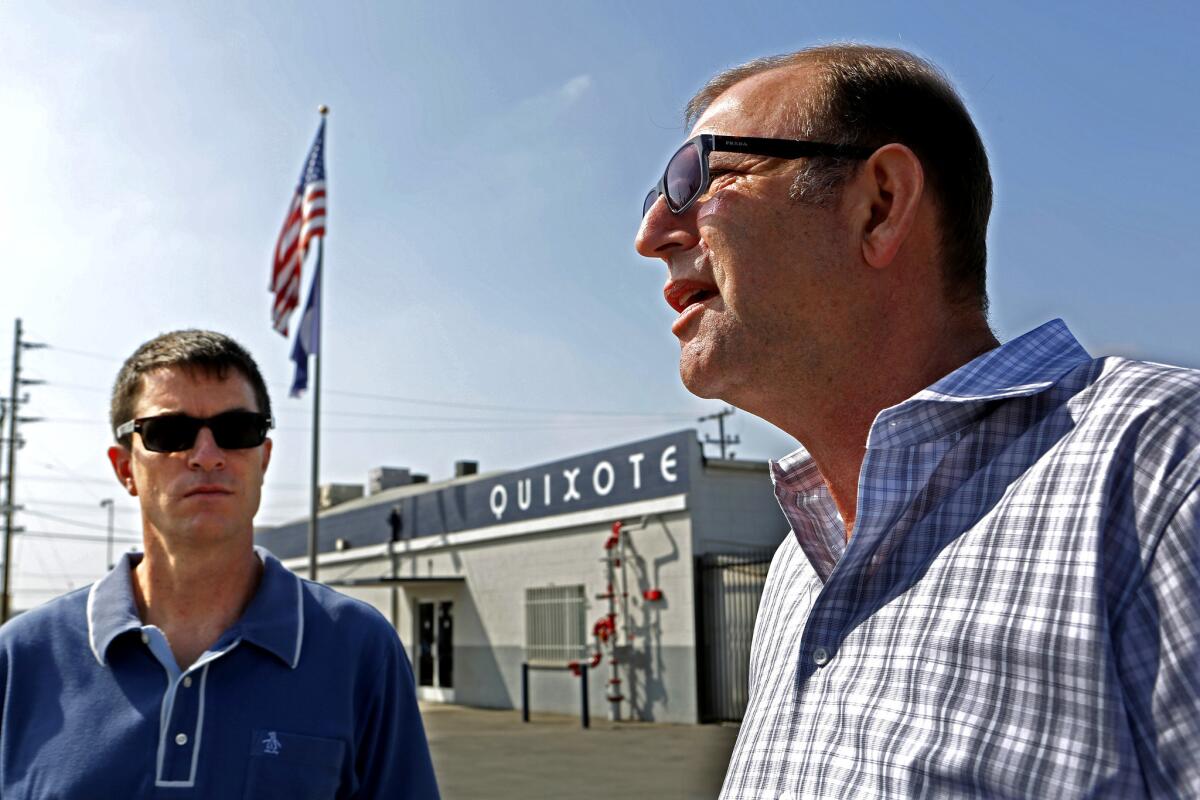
column 333, row 494
column 382, row 478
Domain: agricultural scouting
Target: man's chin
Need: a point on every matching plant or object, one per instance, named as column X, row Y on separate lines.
column 206, row 529
column 700, row 380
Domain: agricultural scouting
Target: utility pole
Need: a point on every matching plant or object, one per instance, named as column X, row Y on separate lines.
column 108, row 503
column 721, row 439
column 14, row 443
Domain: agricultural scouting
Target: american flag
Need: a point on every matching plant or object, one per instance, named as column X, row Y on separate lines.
column 304, row 222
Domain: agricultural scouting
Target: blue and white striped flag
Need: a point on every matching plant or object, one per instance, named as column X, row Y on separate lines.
column 308, row 335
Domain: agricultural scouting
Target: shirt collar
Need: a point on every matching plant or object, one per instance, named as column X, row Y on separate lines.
column 111, row 609
column 274, row 620
column 1027, row 365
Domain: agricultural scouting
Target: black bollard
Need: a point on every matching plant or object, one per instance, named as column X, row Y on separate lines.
column 524, row 692
column 583, row 669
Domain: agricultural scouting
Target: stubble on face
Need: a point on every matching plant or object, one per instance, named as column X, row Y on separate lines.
column 778, row 266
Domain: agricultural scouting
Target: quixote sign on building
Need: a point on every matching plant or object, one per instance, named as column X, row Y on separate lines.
column 639, row 471
column 643, row 470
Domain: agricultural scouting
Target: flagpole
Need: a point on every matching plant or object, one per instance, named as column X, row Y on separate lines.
column 316, row 428
column 314, row 488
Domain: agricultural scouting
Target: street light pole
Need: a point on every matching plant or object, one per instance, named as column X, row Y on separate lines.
column 108, row 503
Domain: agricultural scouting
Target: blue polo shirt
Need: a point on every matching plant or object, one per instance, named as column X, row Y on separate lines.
column 308, row 695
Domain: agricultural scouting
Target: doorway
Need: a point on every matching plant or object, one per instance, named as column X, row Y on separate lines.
column 435, row 651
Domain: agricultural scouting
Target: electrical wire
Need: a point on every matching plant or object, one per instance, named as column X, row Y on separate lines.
column 75, row 537
column 409, row 400
column 77, row 523
column 65, row 504
column 505, row 426
column 276, row 487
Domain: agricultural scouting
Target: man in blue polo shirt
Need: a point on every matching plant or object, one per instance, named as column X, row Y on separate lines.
column 204, row 668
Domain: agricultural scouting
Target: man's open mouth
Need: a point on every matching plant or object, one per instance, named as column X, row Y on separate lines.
column 682, row 294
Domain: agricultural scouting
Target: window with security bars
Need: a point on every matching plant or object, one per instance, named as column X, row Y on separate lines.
column 554, row 624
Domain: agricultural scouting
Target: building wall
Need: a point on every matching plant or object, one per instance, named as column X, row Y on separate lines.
column 489, row 612
column 734, row 508
column 481, row 542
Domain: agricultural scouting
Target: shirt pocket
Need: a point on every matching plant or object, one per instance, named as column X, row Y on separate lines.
column 293, row 767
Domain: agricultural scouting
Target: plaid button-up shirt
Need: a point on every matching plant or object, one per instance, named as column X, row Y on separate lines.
column 1017, row 613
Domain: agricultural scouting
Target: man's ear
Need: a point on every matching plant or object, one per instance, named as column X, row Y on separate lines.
column 890, row 186
column 267, row 443
column 122, row 464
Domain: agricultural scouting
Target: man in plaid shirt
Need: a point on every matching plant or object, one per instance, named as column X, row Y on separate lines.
column 992, row 584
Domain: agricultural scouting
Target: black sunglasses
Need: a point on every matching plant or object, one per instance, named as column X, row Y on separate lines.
column 172, row 433
column 686, row 176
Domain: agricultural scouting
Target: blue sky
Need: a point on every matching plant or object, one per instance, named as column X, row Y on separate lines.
column 486, row 168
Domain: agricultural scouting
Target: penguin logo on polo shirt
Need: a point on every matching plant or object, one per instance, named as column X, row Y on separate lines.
column 271, row 744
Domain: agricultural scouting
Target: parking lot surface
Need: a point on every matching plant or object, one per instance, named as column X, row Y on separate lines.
column 492, row 755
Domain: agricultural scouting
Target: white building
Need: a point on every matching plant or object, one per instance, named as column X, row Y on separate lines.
column 484, row 572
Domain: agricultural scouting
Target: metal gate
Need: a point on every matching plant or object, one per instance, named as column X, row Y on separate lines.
column 728, row 590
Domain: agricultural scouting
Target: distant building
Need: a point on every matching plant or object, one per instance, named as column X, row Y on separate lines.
column 484, row 572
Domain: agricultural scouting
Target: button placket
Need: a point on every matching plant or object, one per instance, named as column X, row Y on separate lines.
column 181, row 733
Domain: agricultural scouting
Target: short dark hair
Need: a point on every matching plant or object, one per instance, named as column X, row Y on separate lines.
column 211, row 353
column 871, row 96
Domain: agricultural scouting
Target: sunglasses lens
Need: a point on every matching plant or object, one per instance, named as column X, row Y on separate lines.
column 684, row 175
column 169, row 434
column 237, row 430
column 233, row 430
column 650, row 200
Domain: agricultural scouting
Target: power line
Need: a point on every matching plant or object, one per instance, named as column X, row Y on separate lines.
column 490, row 407
column 83, row 353
column 65, row 479
column 69, row 521
column 515, row 428
column 426, row 401
column 66, row 504
column 76, row 537
column 497, row 426
column 412, row 417
column 286, row 487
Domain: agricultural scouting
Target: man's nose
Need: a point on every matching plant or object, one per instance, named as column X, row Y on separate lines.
column 205, row 454
column 663, row 233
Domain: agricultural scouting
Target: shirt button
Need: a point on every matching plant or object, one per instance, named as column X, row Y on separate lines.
column 181, row 739
column 187, row 682
column 145, row 638
column 820, row 656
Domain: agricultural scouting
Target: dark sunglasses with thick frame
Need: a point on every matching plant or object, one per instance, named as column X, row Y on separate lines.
column 687, row 177
column 174, row 433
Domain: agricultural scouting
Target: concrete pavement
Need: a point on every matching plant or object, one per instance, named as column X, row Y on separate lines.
column 492, row 755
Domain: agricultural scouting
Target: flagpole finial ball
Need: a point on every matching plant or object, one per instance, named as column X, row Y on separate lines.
column 323, row 109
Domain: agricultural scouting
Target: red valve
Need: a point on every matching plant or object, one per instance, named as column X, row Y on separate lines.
column 614, row 539
column 605, row 627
